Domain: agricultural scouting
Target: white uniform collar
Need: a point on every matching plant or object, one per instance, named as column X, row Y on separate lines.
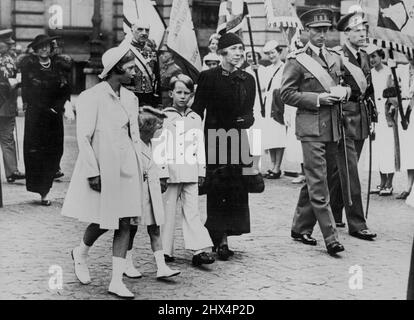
column 316, row 49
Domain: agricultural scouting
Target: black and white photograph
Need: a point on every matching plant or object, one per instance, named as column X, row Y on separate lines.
column 236, row 151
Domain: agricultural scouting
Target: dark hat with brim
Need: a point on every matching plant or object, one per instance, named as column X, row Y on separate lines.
column 5, row 36
column 315, row 18
column 351, row 20
column 41, row 39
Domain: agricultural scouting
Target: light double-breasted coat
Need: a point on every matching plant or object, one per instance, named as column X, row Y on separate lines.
column 183, row 143
column 106, row 150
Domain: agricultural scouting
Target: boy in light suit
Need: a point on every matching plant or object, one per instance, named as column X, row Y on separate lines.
column 184, row 149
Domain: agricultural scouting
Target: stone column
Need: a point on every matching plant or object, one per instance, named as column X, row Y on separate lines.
column 94, row 66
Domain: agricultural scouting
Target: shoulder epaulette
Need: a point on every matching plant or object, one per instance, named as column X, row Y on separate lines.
column 293, row 54
column 337, row 50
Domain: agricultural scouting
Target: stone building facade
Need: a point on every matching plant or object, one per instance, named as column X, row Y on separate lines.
column 29, row 18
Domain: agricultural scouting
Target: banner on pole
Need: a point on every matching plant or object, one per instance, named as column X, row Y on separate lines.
column 182, row 39
column 391, row 23
column 282, row 14
column 231, row 15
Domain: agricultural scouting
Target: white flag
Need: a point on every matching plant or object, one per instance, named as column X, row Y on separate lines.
column 181, row 35
column 143, row 10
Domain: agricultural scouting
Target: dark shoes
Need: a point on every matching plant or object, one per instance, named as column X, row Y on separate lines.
column 305, row 238
column 334, row 248
column 168, row 258
column 364, row 234
column 17, row 175
column 273, row 175
column 58, row 175
column 45, row 203
column 340, row 225
column 223, row 252
column 386, row 191
column 202, row 258
column 403, row 195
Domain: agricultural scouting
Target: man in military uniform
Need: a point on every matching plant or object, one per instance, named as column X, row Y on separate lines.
column 146, row 81
column 310, row 82
column 8, row 107
column 357, row 118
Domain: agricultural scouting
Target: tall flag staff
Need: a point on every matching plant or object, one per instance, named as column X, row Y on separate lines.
column 231, row 18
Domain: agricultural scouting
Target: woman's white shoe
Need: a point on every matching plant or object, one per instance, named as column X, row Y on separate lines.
column 81, row 267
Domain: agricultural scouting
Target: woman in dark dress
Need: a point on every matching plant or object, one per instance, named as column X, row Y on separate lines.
column 227, row 95
column 45, row 90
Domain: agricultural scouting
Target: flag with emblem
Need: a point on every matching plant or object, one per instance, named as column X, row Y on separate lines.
column 391, row 23
column 282, row 14
column 231, row 15
column 182, row 40
column 143, row 10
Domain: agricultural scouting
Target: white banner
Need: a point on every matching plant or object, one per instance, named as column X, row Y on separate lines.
column 181, row 35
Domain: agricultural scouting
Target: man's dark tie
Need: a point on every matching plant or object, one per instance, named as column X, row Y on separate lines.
column 359, row 58
column 322, row 57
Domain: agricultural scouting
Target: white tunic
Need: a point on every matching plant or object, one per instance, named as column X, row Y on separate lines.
column 383, row 147
column 273, row 134
column 405, row 73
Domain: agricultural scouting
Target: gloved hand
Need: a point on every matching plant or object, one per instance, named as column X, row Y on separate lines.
column 95, row 183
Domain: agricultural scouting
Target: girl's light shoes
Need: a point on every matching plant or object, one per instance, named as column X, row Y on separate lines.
column 119, row 289
column 81, row 267
column 166, row 272
column 130, row 270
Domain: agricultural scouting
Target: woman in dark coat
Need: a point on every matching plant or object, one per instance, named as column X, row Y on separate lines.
column 227, row 95
column 45, row 90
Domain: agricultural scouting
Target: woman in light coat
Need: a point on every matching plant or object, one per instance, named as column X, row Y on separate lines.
column 106, row 186
column 273, row 133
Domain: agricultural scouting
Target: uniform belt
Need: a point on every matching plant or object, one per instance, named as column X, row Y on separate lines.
column 354, row 98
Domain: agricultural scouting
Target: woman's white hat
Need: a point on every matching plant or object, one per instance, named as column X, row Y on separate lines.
column 270, row 45
column 112, row 56
column 371, row 48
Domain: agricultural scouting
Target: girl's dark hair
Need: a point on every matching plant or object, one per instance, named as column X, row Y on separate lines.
column 117, row 69
column 184, row 79
column 381, row 53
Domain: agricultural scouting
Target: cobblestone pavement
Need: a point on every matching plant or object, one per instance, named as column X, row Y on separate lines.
column 267, row 263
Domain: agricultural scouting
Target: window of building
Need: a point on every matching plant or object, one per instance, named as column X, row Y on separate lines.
column 76, row 13
column 205, row 13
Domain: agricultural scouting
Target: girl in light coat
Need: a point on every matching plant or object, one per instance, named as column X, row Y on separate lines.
column 106, row 186
column 154, row 183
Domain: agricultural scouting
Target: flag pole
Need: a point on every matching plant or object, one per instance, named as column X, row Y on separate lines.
column 256, row 72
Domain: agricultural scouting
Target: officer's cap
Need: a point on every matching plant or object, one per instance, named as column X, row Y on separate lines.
column 321, row 17
column 351, row 20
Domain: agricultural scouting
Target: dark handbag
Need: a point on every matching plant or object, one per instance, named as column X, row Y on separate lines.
column 390, row 92
column 254, row 183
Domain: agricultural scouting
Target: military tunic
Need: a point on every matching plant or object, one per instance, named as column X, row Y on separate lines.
column 317, row 128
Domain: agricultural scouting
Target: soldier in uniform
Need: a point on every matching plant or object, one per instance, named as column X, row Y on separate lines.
column 357, row 118
column 146, row 82
column 310, row 83
column 8, row 106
